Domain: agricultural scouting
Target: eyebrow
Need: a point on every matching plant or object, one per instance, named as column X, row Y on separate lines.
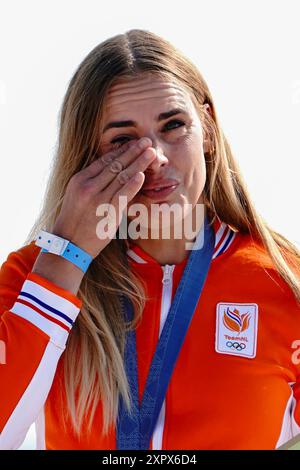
column 161, row 117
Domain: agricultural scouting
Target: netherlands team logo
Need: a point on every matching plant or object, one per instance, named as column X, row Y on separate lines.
column 235, row 321
column 236, row 329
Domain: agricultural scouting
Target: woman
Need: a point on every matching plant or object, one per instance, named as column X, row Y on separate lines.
column 75, row 334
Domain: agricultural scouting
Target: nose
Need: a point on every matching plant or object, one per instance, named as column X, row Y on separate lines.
column 160, row 160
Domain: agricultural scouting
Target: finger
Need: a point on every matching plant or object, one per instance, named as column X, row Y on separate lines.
column 140, row 164
column 106, row 176
column 98, row 164
column 115, row 209
column 129, row 190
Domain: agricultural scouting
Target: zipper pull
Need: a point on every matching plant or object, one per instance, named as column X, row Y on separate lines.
column 167, row 269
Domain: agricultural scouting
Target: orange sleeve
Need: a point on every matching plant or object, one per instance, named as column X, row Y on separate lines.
column 36, row 317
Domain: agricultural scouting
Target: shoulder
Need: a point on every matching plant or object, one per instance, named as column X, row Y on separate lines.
column 251, row 263
column 254, row 253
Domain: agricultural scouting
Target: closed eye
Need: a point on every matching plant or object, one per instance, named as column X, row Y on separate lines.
column 119, row 141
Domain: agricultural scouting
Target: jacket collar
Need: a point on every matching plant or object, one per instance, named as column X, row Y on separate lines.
column 224, row 236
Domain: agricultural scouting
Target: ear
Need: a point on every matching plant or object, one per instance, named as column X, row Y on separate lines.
column 207, row 108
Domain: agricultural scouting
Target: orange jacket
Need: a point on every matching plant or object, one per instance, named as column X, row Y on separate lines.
column 236, row 380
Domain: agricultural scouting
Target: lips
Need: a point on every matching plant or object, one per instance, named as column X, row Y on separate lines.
column 159, row 184
column 159, row 190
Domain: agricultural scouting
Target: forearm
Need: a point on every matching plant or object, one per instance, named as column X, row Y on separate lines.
column 59, row 271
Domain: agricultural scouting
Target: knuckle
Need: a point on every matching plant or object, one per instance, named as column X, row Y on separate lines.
column 74, row 179
column 95, row 166
column 119, row 151
column 86, row 188
column 128, row 146
column 123, row 177
column 107, row 158
column 74, row 183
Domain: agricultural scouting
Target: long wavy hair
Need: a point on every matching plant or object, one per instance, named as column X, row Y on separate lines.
column 94, row 369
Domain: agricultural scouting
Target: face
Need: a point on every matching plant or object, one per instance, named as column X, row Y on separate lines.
column 177, row 139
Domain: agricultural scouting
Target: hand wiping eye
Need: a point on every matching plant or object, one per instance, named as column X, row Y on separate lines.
column 119, row 141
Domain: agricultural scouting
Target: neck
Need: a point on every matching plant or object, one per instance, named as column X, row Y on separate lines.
column 169, row 250
column 164, row 251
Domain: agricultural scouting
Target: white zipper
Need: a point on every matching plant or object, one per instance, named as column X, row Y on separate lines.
column 166, row 300
column 166, row 296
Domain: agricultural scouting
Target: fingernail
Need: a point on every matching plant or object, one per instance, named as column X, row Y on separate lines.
column 148, row 154
column 137, row 177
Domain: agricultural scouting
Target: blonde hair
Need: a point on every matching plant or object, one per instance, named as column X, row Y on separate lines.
column 93, row 359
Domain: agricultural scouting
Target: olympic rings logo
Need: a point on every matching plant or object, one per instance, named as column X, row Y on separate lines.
column 236, row 345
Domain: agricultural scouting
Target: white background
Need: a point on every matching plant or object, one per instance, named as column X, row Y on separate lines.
column 247, row 51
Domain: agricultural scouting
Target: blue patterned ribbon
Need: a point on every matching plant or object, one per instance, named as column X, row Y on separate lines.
column 134, row 431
